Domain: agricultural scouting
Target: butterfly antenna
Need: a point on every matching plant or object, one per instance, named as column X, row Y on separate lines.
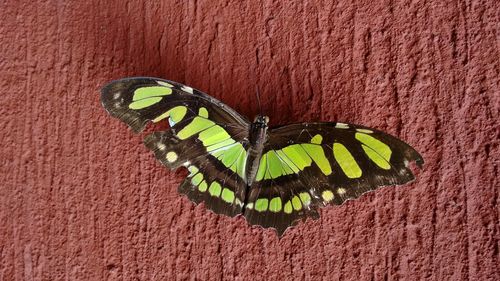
column 257, row 93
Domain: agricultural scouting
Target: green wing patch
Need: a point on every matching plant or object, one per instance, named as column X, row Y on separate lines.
column 292, row 159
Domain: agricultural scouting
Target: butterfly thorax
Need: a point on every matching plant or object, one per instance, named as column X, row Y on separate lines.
column 257, row 138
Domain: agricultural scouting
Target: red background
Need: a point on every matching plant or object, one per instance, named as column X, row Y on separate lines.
column 82, row 199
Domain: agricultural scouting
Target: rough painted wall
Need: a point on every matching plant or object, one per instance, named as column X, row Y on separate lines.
column 82, row 199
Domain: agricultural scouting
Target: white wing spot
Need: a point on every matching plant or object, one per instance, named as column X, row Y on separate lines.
column 171, row 156
column 238, row 202
column 187, row 89
column 341, row 126
column 161, row 146
column 341, row 190
column 165, row 84
column 116, row 95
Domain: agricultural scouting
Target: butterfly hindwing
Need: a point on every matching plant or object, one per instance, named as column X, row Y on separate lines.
column 222, row 190
column 205, row 136
column 316, row 164
column 280, row 203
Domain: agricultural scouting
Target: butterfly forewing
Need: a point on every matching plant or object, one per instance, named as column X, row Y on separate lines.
column 206, row 137
column 222, row 190
column 306, row 166
column 136, row 101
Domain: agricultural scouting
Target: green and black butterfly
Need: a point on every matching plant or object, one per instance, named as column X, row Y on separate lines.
column 273, row 177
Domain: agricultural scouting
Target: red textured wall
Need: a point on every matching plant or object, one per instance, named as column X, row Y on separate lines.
column 82, row 199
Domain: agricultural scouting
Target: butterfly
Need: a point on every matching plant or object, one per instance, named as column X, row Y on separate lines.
column 274, row 177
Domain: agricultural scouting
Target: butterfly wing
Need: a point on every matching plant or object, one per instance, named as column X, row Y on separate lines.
column 310, row 165
column 205, row 136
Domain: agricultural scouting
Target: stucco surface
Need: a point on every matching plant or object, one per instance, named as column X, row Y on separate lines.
column 82, row 199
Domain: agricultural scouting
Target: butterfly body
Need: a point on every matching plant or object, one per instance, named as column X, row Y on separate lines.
column 257, row 139
column 274, row 177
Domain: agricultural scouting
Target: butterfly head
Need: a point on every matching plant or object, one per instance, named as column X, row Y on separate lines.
column 261, row 121
column 258, row 130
